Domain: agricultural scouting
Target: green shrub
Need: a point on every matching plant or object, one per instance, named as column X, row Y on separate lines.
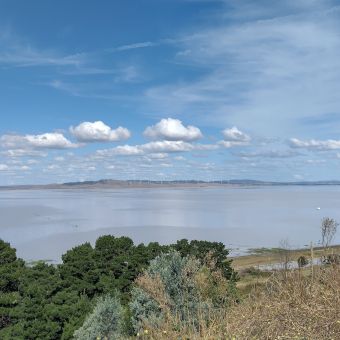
column 302, row 261
column 171, row 273
column 143, row 307
column 39, row 300
column 105, row 322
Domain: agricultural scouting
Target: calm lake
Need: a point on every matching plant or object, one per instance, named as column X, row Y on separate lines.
column 43, row 224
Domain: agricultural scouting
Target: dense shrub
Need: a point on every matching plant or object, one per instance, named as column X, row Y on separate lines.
column 302, row 261
column 302, row 307
column 41, row 301
column 200, row 250
column 169, row 275
column 179, row 291
column 105, row 322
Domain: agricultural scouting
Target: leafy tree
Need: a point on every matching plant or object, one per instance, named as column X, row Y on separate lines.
column 78, row 270
column 36, row 316
column 34, row 302
column 201, row 249
column 108, row 247
column 11, row 269
column 7, row 253
column 50, row 302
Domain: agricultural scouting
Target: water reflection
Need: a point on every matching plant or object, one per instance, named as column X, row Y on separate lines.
column 45, row 223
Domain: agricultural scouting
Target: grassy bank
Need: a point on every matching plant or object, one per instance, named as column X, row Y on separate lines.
column 250, row 267
column 268, row 256
column 302, row 305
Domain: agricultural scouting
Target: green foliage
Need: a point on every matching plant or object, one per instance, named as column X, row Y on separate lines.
column 108, row 247
column 200, row 250
column 174, row 271
column 79, row 270
column 7, row 254
column 35, row 303
column 10, row 272
column 41, row 301
column 105, row 322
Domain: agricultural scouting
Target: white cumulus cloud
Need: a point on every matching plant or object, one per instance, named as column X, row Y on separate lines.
column 99, row 132
column 167, row 146
column 313, row 144
column 127, row 150
column 121, row 150
column 235, row 135
column 51, row 140
column 172, row 130
column 229, row 144
column 158, row 149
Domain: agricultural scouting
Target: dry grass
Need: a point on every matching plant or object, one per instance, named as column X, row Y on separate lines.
column 296, row 307
column 290, row 306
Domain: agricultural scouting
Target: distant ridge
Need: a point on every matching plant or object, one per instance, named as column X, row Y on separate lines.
column 231, row 181
column 111, row 183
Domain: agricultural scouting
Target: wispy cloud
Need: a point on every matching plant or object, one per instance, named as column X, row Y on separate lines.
column 264, row 71
column 3, row 167
column 99, row 90
column 17, row 53
column 272, row 153
column 134, row 46
column 278, row 69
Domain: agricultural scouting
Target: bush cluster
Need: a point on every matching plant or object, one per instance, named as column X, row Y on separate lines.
column 44, row 301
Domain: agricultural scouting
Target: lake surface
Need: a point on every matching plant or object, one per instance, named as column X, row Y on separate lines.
column 43, row 224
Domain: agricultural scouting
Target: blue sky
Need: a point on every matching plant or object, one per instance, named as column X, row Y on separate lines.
column 169, row 89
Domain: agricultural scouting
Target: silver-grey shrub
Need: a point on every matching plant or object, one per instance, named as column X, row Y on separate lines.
column 105, row 322
column 176, row 276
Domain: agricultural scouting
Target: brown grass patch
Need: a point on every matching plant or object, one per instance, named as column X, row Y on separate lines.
column 290, row 306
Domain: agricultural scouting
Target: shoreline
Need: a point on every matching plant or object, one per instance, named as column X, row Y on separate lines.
column 135, row 184
column 119, row 186
column 272, row 256
column 266, row 260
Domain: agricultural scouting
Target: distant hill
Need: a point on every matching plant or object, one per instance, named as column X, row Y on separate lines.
column 110, row 183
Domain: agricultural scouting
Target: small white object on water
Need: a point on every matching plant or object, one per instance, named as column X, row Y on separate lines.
column 318, row 208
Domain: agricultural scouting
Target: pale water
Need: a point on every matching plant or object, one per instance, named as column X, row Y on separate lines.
column 43, row 224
